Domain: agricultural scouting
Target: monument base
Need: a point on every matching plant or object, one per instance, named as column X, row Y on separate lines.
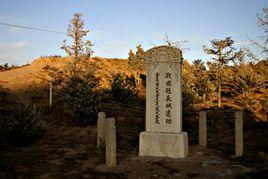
column 174, row 145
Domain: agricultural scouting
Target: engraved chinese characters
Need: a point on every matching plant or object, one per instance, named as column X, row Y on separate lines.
column 163, row 89
column 157, row 111
column 168, row 98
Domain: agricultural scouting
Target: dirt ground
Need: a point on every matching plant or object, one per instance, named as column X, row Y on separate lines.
column 68, row 151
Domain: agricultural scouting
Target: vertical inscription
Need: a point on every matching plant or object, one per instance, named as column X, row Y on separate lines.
column 168, row 98
column 157, row 91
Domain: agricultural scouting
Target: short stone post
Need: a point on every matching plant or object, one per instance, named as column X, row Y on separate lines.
column 50, row 94
column 110, row 142
column 238, row 134
column 203, row 129
column 101, row 129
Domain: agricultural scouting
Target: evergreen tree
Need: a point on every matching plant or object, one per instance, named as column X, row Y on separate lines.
column 245, row 79
column 131, row 58
column 136, row 61
column 79, row 47
column 222, row 52
column 202, row 82
column 140, row 58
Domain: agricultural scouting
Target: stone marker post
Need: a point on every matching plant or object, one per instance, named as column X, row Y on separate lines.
column 203, row 129
column 163, row 135
column 101, row 129
column 110, row 142
column 239, row 134
column 50, row 94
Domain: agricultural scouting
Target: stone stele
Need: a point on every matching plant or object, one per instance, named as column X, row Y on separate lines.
column 163, row 136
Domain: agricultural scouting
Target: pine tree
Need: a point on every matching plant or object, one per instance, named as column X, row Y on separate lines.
column 246, row 79
column 136, row 60
column 79, row 47
column 137, row 63
column 202, row 83
column 131, row 58
column 140, row 58
column 222, row 52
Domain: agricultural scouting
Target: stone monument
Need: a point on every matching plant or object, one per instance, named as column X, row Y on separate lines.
column 163, row 136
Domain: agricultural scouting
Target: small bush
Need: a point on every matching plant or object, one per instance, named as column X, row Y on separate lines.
column 124, row 89
column 23, row 126
column 80, row 99
column 188, row 99
column 76, row 87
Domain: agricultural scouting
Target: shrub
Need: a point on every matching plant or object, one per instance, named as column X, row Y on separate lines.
column 76, row 87
column 124, row 89
column 80, row 99
column 188, row 99
column 23, row 126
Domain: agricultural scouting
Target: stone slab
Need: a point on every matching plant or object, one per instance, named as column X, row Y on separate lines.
column 163, row 89
column 158, row 144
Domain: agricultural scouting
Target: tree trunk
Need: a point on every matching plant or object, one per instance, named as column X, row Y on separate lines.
column 204, row 96
column 219, row 96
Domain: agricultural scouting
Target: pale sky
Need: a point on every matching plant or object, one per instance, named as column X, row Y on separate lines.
column 118, row 25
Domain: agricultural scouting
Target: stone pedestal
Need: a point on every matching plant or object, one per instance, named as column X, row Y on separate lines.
column 163, row 136
column 174, row 145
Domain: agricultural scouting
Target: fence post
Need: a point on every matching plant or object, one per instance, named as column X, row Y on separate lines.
column 101, row 129
column 203, row 129
column 50, row 94
column 238, row 134
column 110, row 142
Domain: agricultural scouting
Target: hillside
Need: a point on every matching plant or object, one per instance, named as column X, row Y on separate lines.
column 31, row 77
